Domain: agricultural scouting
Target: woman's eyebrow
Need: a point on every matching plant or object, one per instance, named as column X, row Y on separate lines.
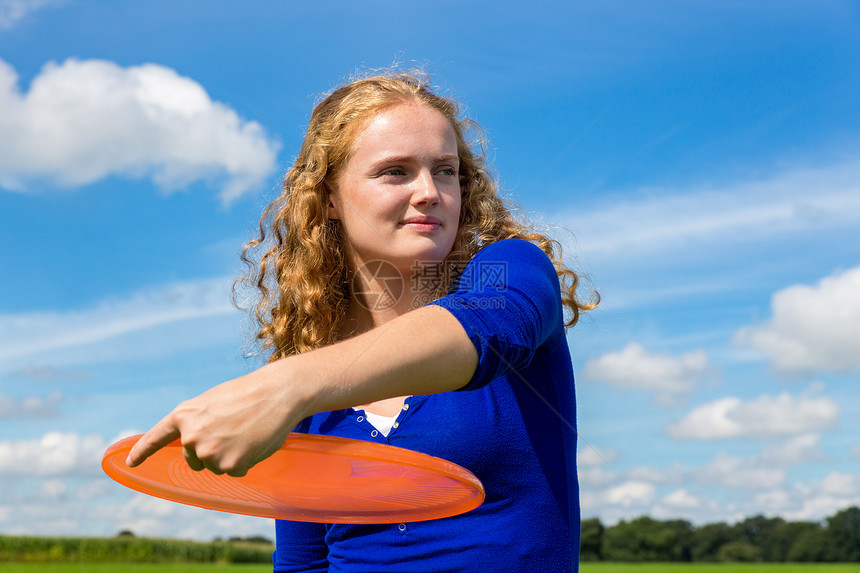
column 411, row 159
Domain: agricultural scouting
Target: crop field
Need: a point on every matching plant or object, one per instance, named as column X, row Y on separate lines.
column 131, row 568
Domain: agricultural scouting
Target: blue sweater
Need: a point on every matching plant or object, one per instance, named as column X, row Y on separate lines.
column 513, row 426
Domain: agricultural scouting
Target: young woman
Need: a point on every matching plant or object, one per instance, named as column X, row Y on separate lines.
column 402, row 303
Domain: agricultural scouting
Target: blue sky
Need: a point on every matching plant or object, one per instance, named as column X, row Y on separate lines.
column 700, row 163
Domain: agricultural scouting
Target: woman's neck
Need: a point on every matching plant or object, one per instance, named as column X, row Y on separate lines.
column 363, row 315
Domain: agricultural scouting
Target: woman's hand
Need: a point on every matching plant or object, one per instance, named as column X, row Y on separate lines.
column 232, row 426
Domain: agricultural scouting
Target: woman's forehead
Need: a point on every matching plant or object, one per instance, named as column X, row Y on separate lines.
column 407, row 127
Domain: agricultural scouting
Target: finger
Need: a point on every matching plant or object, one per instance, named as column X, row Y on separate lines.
column 191, row 458
column 159, row 436
column 238, row 472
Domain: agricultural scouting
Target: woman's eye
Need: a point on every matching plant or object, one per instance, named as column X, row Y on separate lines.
column 394, row 172
column 450, row 171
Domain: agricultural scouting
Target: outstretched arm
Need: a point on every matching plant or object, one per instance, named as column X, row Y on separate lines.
column 237, row 424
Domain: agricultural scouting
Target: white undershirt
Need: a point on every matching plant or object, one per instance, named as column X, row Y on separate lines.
column 381, row 423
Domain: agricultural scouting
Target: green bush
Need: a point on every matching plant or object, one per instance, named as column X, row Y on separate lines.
column 739, row 552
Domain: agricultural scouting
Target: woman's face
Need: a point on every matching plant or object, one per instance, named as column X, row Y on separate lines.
column 398, row 197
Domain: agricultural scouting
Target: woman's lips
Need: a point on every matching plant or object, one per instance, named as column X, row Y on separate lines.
column 422, row 223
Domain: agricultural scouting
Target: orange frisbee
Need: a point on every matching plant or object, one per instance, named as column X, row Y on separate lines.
column 315, row 478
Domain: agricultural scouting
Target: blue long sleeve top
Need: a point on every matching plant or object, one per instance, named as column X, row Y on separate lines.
column 513, row 425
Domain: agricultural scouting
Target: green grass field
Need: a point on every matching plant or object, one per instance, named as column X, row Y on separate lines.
column 719, row 567
column 584, row 568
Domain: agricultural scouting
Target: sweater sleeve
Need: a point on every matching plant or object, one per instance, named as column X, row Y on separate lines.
column 509, row 303
column 301, row 547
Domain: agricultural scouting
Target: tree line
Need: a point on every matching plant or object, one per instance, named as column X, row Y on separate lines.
column 759, row 538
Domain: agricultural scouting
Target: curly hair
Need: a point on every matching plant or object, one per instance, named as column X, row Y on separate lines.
column 302, row 279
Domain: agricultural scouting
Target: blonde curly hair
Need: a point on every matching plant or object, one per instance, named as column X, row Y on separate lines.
column 302, row 279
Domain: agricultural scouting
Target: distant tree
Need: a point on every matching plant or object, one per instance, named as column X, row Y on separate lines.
column 768, row 534
column 843, row 534
column 125, row 533
column 810, row 544
column 253, row 539
column 591, row 539
column 683, row 544
column 645, row 539
column 707, row 540
column 739, row 552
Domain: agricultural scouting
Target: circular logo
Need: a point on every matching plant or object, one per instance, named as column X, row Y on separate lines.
column 377, row 285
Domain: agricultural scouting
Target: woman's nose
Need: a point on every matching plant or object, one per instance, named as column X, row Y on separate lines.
column 425, row 192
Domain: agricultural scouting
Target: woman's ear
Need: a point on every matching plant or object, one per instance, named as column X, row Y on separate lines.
column 333, row 211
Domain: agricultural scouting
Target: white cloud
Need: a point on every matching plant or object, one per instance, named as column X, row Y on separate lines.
column 813, row 328
column 631, row 494
column 773, row 501
column 103, row 507
column 672, row 475
column 821, row 499
column 596, row 477
column 35, row 334
column 840, row 484
column 13, row 11
column 30, row 407
column 673, row 220
column 681, row 499
column 53, row 454
column 670, row 378
column 739, row 472
column 766, row 416
column 82, row 121
column 792, row 451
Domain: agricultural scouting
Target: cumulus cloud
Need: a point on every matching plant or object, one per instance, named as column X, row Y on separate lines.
column 26, row 335
column 82, row 121
column 13, row 11
column 670, row 378
column 53, row 454
column 58, row 507
column 792, row 451
column 812, row 501
column 840, row 484
column 631, row 493
column 681, row 499
column 725, row 488
column 813, row 328
column 739, row 472
column 764, row 417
